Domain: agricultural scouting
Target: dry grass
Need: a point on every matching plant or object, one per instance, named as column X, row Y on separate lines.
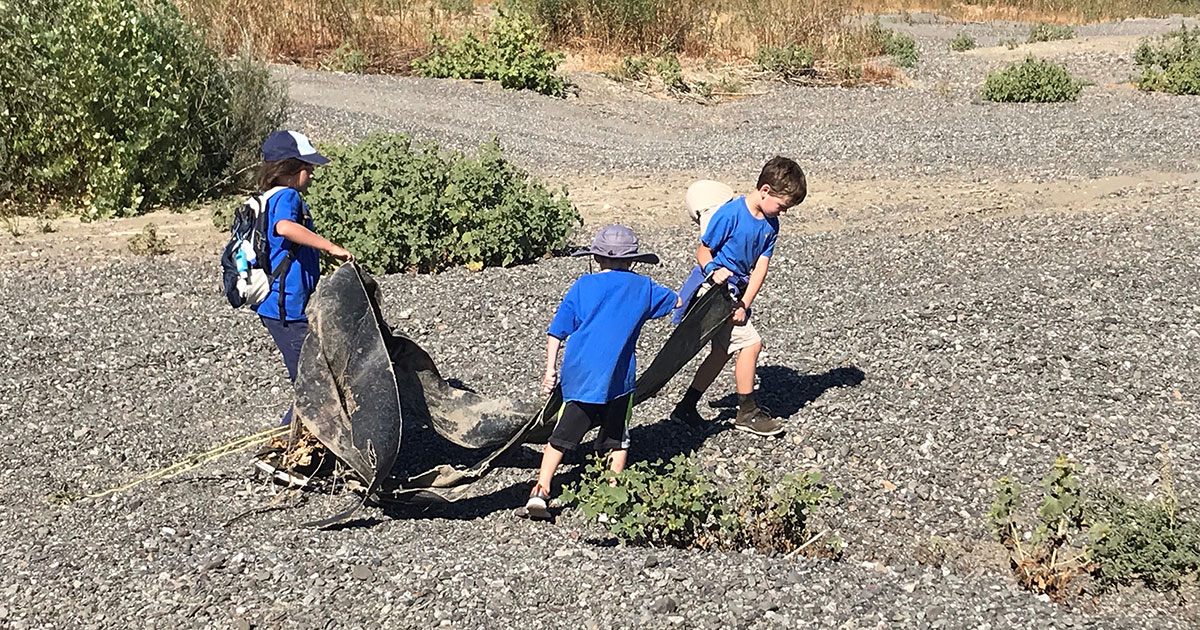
column 389, row 32
column 1054, row 11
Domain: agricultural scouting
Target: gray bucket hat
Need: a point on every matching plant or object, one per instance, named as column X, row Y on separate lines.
column 617, row 241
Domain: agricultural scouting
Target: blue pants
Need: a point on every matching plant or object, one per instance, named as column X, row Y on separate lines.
column 288, row 338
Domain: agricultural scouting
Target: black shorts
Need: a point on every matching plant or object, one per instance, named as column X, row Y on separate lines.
column 575, row 419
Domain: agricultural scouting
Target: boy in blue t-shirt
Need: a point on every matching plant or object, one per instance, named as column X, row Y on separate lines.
column 600, row 318
column 736, row 249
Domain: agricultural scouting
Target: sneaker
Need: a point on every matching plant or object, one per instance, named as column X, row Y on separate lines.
column 759, row 424
column 538, row 505
column 688, row 415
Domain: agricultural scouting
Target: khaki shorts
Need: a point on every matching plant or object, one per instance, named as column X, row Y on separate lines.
column 732, row 339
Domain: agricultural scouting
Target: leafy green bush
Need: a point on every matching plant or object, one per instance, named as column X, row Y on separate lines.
column 678, row 504
column 112, row 107
column 400, row 205
column 790, row 62
column 512, row 54
column 346, row 58
column 1115, row 538
column 673, row 504
column 1049, row 32
column 630, row 69
column 901, row 47
column 962, row 43
column 779, row 517
column 671, row 72
column 1143, row 540
column 1173, row 65
column 149, row 243
column 1032, row 80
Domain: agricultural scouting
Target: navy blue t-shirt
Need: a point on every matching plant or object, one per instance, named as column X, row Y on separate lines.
column 601, row 318
column 737, row 238
column 301, row 279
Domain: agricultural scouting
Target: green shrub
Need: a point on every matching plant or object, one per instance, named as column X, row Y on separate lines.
column 671, row 72
column 901, row 47
column 1117, row 539
column 790, row 62
column 962, row 43
column 1142, row 541
column 400, row 205
column 1173, row 64
column 630, row 69
column 779, row 517
column 149, row 243
column 673, row 504
column 1032, row 80
column 1049, row 32
column 678, row 504
column 346, row 58
column 512, row 54
column 112, row 107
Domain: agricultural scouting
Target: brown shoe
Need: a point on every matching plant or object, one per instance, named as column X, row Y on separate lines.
column 759, row 424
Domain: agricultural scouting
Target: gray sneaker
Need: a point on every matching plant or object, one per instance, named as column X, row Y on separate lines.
column 759, row 424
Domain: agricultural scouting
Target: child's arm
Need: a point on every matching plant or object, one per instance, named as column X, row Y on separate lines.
column 758, row 275
column 301, row 235
column 704, row 257
column 551, row 378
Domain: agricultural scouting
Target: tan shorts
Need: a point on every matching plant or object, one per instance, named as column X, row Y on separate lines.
column 732, row 339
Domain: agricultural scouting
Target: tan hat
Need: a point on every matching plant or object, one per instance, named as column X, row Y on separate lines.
column 705, row 195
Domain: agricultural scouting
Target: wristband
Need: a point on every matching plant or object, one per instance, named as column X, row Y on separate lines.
column 710, row 267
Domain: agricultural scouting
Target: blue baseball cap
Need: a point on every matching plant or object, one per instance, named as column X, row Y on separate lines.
column 283, row 145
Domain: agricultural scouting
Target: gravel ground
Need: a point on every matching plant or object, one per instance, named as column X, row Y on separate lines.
column 986, row 346
column 937, row 127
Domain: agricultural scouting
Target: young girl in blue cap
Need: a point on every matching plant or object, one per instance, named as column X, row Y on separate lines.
column 288, row 162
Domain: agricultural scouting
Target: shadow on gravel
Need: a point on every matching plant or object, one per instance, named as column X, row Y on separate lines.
column 785, row 391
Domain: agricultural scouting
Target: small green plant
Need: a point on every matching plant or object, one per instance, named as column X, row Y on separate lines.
column 630, row 69
column 1032, row 80
column 678, row 504
column 790, row 62
column 1144, row 540
column 1043, row 32
column 962, row 42
column 512, row 54
column 1173, row 64
column 901, row 47
column 401, row 205
column 149, row 243
column 730, row 84
column 346, row 58
column 671, row 73
column 659, row 504
column 1053, row 556
column 1117, row 539
column 1010, row 43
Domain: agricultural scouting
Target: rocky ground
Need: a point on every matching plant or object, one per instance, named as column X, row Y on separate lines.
column 971, row 290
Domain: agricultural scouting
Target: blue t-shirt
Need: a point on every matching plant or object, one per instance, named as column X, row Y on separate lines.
column 737, row 238
column 301, row 278
column 601, row 318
